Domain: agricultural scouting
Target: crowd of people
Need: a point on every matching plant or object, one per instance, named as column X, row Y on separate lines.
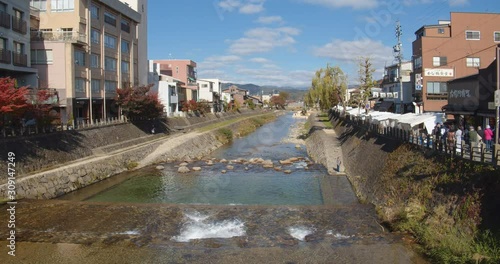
column 450, row 137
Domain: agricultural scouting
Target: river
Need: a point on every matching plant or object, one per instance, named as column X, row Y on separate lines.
column 232, row 211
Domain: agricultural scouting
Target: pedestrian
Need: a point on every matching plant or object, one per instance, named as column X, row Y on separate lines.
column 488, row 136
column 480, row 136
column 437, row 135
column 473, row 138
column 450, row 140
column 458, row 139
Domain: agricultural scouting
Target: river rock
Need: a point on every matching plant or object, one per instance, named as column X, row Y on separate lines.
column 268, row 166
column 278, row 168
column 268, row 162
column 223, row 171
column 246, row 168
column 160, row 167
column 183, row 169
column 223, row 161
column 184, row 164
column 209, row 163
column 298, row 146
column 285, row 162
column 287, row 171
column 294, row 159
column 229, row 167
column 196, row 168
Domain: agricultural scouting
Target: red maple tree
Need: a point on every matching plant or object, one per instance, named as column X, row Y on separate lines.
column 13, row 101
column 139, row 102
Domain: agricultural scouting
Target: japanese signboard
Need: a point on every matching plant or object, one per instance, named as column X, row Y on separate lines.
column 438, row 72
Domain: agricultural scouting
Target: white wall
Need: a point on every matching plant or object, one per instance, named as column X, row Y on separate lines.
column 204, row 92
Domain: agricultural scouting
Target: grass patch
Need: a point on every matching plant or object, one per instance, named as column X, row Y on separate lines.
column 132, row 165
column 225, row 135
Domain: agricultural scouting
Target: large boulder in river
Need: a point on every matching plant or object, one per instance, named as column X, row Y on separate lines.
column 196, row 168
column 183, row 169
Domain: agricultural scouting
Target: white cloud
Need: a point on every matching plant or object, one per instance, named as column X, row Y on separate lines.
column 356, row 4
column 270, row 19
column 263, row 39
column 276, row 77
column 458, row 2
column 243, row 6
column 259, row 60
column 351, row 51
column 213, row 62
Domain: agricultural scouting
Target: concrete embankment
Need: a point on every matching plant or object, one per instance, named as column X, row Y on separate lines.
column 80, row 173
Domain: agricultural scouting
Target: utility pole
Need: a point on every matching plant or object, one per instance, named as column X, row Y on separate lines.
column 398, row 54
column 497, row 103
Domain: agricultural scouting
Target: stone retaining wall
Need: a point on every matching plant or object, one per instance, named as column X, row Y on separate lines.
column 43, row 151
column 56, row 182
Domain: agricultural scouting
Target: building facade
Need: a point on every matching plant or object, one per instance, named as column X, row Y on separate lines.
column 86, row 50
column 15, row 55
column 141, row 6
column 210, row 90
column 451, row 49
column 185, row 71
column 391, row 87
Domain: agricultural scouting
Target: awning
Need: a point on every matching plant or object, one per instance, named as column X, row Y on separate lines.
column 384, row 106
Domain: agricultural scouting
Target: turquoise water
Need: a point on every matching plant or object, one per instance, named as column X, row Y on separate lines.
column 246, row 184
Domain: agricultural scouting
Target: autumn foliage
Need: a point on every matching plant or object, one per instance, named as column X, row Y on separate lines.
column 139, row 102
column 12, row 100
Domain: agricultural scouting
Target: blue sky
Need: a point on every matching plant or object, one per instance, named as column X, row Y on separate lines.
column 283, row 42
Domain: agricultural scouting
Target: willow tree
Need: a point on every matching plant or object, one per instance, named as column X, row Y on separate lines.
column 328, row 88
column 366, row 82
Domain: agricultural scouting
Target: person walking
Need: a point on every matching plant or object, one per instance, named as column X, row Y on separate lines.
column 480, row 134
column 473, row 138
column 458, row 139
column 488, row 136
column 450, row 140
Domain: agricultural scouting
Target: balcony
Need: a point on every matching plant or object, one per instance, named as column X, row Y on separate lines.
column 20, row 59
column 5, row 56
column 4, row 20
column 35, row 12
column 19, row 25
column 66, row 36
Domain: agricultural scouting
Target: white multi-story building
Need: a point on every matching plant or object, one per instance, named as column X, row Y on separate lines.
column 391, row 88
column 210, row 90
column 167, row 87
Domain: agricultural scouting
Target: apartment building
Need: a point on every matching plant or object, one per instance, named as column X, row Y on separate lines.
column 185, row 71
column 168, row 89
column 15, row 56
column 86, row 49
column 210, row 90
column 451, row 49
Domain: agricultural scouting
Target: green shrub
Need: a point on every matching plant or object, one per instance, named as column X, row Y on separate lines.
column 131, row 165
column 226, row 133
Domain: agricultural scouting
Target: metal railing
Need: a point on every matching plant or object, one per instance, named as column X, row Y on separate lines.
column 69, row 36
column 4, row 20
column 19, row 25
column 20, row 59
column 5, row 56
column 464, row 150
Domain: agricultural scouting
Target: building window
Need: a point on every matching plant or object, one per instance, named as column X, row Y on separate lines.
column 18, row 48
column 418, row 62
column 125, row 46
column 94, row 11
column 39, row 4
column 110, row 86
column 437, row 88
column 125, row 25
column 95, row 85
column 473, row 62
column 41, row 56
column 496, row 36
column 79, row 58
column 440, row 30
column 439, row 61
column 125, row 67
column 3, row 43
column 3, row 7
column 176, row 69
column 95, row 36
column 79, row 85
column 110, row 64
column 472, row 35
column 110, row 19
column 95, row 60
column 204, row 85
column 109, row 41
column 62, row 5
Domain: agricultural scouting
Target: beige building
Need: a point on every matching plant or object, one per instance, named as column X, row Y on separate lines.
column 185, row 71
column 86, row 49
column 15, row 59
column 451, row 49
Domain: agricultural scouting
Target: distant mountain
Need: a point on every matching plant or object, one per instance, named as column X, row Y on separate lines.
column 253, row 89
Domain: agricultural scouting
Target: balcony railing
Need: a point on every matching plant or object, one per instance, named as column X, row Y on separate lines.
column 4, row 20
column 5, row 56
column 69, row 36
column 35, row 12
column 20, row 59
column 19, row 25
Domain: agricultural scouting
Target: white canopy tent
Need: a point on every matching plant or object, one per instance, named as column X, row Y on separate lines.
column 393, row 121
column 413, row 122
